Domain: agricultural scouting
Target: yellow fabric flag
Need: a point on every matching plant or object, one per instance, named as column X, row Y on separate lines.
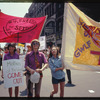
column 21, row 44
column 81, row 40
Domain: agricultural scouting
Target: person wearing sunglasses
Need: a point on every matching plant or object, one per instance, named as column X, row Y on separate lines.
column 33, row 63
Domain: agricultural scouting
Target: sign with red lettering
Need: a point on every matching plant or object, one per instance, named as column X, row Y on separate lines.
column 13, row 73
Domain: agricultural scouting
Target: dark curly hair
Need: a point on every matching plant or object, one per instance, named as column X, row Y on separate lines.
column 12, row 45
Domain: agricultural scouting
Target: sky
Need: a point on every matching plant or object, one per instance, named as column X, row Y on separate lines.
column 14, row 9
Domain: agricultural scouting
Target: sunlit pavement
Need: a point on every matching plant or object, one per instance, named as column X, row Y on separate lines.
column 84, row 84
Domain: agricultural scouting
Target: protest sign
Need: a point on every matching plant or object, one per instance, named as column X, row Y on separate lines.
column 13, row 73
column 42, row 41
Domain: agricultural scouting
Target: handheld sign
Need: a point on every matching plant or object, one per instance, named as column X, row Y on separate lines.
column 42, row 41
column 13, row 73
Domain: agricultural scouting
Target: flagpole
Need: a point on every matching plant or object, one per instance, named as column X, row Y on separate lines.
column 43, row 25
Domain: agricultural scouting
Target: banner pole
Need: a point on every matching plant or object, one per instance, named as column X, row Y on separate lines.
column 43, row 25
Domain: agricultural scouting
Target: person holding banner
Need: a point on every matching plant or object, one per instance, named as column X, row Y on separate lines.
column 33, row 63
column 68, row 71
column 58, row 75
column 12, row 55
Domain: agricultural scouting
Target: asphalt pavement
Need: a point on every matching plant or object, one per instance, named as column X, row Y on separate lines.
column 84, row 84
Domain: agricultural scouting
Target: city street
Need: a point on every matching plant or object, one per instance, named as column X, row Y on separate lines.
column 85, row 84
column 73, row 27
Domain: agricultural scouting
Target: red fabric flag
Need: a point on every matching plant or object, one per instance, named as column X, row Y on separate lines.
column 18, row 29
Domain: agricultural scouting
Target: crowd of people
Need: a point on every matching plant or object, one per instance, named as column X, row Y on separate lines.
column 37, row 61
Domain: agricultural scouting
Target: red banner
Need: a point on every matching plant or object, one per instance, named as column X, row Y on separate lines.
column 18, row 29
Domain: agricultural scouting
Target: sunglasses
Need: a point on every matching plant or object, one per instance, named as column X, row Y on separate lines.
column 54, row 49
column 35, row 43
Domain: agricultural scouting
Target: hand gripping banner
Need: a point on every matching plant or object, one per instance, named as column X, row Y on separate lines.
column 20, row 30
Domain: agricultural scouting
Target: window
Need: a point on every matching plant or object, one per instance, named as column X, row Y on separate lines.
column 60, row 26
column 59, row 5
column 52, row 7
column 45, row 12
column 50, row 24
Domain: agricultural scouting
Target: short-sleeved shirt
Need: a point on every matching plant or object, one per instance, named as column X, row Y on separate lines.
column 30, row 59
column 8, row 56
column 56, row 63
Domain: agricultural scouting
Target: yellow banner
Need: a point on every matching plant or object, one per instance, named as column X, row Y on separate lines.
column 87, row 47
column 20, row 44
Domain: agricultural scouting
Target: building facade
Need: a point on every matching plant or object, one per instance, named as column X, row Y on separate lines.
column 54, row 23
column 53, row 27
